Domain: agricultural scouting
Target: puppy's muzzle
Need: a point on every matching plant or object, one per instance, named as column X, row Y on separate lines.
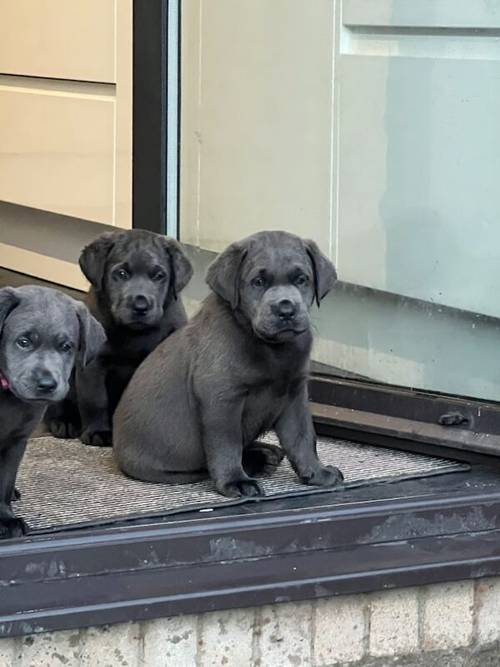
column 44, row 382
column 140, row 305
column 285, row 310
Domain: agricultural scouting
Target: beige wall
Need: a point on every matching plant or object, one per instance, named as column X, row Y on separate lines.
column 257, row 119
column 65, row 130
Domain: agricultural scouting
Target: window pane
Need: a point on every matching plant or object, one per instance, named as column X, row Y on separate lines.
column 372, row 127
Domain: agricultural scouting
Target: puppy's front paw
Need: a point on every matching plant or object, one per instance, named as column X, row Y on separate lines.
column 12, row 527
column 97, row 438
column 323, row 476
column 67, row 430
column 239, row 488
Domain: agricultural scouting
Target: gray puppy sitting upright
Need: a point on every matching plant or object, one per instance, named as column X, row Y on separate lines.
column 198, row 403
column 136, row 278
column 43, row 333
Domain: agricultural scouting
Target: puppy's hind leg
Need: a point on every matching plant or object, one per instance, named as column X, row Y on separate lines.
column 261, row 459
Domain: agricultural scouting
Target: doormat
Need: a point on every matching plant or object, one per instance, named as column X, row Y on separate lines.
column 65, row 484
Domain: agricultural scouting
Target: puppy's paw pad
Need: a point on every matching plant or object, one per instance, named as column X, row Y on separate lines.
column 244, row 488
column 13, row 527
column 64, row 429
column 97, row 438
column 325, row 476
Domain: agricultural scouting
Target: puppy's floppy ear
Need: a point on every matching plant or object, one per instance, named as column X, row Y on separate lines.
column 181, row 270
column 9, row 299
column 324, row 272
column 223, row 275
column 92, row 336
column 93, row 258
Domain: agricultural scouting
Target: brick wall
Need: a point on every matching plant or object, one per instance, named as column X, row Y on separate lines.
column 446, row 625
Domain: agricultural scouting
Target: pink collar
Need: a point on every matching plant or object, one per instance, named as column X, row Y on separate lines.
column 4, row 383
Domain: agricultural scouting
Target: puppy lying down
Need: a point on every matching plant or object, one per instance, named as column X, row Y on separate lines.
column 43, row 333
column 197, row 404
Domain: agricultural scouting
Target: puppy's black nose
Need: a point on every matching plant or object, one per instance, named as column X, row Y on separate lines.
column 45, row 383
column 285, row 309
column 140, row 304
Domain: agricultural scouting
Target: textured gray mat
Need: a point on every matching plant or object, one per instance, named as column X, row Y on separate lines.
column 65, row 484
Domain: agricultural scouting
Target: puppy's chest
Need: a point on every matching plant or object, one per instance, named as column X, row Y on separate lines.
column 131, row 351
column 265, row 402
column 124, row 358
column 277, row 384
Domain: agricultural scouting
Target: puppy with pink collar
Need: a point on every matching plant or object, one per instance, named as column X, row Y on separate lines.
column 43, row 334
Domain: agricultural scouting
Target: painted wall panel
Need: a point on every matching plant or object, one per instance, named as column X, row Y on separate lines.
column 57, row 148
column 466, row 14
column 257, row 119
column 419, row 154
column 62, row 39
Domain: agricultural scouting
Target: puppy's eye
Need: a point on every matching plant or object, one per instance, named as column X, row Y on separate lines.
column 121, row 274
column 159, row 275
column 259, row 282
column 23, row 342
column 301, row 280
column 66, row 346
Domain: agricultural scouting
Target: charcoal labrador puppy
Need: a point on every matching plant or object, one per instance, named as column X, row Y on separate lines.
column 42, row 334
column 198, row 403
column 136, row 278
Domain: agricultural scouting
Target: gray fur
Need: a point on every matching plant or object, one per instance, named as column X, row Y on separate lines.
column 136, row 278
column 197, row 404
column 43, row 334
